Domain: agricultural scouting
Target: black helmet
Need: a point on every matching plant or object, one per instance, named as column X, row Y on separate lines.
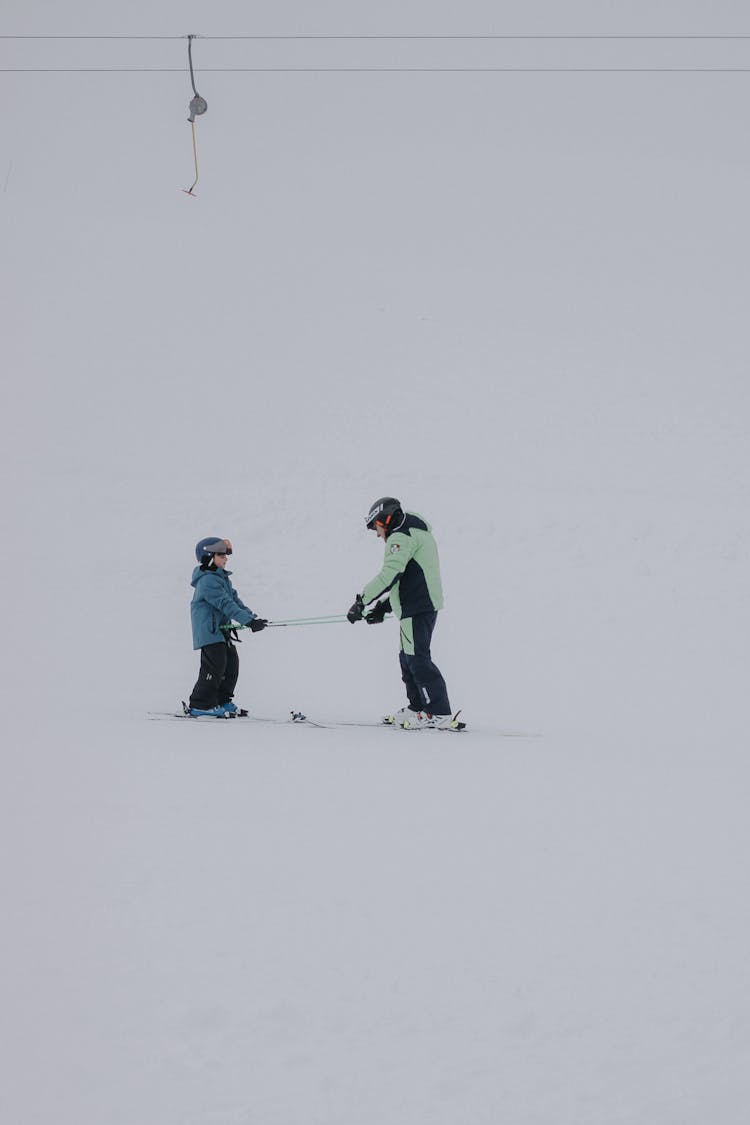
column 387, row 510
column 207, row 548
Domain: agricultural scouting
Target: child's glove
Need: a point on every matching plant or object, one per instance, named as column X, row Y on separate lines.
column 356, row 611
column 257, row 624
column 378, row 612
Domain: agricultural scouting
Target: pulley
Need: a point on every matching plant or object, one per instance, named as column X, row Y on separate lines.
column 198, row 106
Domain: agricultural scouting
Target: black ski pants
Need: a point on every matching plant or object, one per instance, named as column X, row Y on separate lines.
column 425, row 686
column 217, row 678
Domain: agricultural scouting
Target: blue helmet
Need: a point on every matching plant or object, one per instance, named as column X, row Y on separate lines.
column 207, row 548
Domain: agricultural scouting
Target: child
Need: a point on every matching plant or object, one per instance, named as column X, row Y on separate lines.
column 216, row 603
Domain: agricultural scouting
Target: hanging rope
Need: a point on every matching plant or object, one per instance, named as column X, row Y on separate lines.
column 189, row 191
column 198, row 106
column 190, row 63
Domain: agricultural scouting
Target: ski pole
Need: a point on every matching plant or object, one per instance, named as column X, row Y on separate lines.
column 311, row 621
column 333, row 620
column 330, row 620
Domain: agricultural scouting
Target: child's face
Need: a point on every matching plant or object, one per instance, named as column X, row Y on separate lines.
column 220, row 561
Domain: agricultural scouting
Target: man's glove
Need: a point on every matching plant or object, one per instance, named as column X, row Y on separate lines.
column 257, row 624
column 378, row 612
column 356, row 611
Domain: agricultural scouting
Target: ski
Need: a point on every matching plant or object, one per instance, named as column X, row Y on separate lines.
column 296, row 717
column 299, row 718
column 168, row 715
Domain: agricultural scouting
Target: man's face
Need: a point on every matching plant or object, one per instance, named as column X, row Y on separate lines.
column 380, row 528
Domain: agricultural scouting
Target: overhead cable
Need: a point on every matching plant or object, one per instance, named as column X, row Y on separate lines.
column 393, row 38
column 379, row 70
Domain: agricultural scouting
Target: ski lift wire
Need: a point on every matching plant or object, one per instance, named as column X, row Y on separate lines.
column 397, row 38
column 380, row 70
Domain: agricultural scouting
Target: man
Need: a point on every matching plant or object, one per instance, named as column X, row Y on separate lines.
column 410, row 576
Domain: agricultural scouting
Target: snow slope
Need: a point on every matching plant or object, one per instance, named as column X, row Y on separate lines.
column 524, row 317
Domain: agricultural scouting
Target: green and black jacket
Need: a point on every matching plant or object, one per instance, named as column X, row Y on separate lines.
column 411, row 570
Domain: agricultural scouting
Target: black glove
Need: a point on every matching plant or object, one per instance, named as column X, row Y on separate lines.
column 378, row 612
column 355, row 613
column 257, row 624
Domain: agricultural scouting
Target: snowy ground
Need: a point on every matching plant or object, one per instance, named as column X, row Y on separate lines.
column 236, row 925
column 524, row 317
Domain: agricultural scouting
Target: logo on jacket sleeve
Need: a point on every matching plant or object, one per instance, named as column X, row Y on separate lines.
column 395, row 548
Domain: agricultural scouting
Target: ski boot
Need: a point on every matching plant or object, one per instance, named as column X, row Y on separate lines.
column 398, row 717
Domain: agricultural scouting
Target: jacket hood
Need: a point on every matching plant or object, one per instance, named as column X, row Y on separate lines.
column 198, row 574
column 410, row 520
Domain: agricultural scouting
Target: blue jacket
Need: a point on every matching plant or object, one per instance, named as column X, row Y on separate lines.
column 215, row 602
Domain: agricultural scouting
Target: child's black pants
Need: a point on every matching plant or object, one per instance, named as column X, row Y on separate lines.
column 217, row 678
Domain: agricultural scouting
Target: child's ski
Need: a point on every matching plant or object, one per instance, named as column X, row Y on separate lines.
column 296, row 717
